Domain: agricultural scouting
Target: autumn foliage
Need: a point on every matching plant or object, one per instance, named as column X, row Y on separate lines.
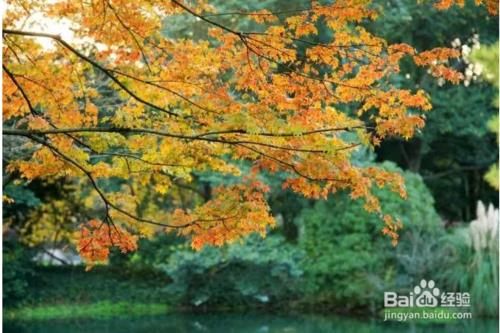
column 491, row 5
column 96, row 238
column 273, row 96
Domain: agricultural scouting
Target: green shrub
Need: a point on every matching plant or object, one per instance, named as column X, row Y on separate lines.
column 56, row 285
column 151, row 251
column 17, row 272
column 350, row 263
column 258, row 272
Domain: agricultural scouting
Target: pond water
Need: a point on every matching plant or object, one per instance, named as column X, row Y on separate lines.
column 251, row 323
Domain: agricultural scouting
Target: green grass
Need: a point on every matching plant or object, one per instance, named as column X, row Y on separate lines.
column 61, row 293
column 99, row 310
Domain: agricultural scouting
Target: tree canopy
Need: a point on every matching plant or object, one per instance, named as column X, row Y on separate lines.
column 114, row 102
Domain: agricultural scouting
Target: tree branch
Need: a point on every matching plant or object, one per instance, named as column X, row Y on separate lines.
column 122, row 130
column 107, row 72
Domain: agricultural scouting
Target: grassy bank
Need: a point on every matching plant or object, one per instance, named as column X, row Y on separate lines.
column 72, row 293
column 98, row 310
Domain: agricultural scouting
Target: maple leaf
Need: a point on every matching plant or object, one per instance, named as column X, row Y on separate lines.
column 96, row 238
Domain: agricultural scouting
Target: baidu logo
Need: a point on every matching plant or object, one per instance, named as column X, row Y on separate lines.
column 426, row 294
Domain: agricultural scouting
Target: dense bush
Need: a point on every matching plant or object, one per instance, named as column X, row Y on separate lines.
column 151, row 251
column 250, row 274
column 59, row 285
column 17, row 272
column 349, row 262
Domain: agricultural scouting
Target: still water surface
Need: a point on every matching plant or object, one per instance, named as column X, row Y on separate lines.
column 251, row 323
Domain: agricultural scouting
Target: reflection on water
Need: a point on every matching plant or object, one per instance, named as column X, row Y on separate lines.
column 254, row 323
